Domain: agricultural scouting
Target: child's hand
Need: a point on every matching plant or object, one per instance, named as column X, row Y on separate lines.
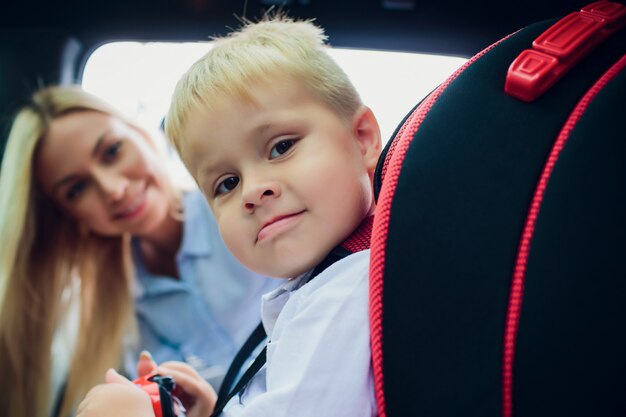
column 145, row 364
column 192, row 390
column 118, row 397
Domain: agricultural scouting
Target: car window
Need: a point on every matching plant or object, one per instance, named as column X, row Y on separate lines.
column 139, row 78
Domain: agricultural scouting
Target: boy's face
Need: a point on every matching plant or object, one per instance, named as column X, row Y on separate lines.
column 286, row 178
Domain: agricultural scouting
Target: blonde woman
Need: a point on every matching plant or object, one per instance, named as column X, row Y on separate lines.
column 103, row 256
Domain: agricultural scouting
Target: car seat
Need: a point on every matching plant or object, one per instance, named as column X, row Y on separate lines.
column 498, row 263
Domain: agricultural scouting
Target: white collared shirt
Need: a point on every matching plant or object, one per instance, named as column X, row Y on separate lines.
column 318, row 357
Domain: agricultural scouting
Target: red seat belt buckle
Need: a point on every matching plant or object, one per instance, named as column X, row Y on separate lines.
column 558, row 49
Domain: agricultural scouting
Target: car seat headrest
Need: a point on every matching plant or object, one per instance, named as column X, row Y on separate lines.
column 497, row 273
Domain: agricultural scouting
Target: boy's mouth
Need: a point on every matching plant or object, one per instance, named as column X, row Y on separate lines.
column 278, row 225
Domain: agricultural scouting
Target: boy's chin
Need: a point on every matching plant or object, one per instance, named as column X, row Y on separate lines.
column 284, row 273
column 289, row 268
column 290, row 257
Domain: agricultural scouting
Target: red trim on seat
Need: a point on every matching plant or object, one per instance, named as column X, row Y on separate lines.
column 392, row 147
column 517, row 285
column 393, row 164
column 361, row 238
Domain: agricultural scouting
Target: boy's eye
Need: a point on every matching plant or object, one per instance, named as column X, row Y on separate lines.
column 112, row 151
column 281, row 148
column 227, row 185
column 75, row 190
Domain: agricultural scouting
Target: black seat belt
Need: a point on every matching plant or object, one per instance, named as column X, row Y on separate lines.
column 226, row 389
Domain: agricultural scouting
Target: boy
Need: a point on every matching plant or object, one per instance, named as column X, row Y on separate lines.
column 284, row 151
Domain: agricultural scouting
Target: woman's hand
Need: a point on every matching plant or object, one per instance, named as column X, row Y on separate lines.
column 119, row 397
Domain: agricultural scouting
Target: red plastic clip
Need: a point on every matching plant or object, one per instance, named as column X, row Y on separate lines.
column 558, row 49
column 159, row 389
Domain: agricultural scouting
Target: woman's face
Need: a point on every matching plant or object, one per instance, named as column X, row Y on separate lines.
column 103, row 173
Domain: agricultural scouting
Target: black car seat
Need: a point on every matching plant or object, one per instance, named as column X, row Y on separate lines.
column 498, row 264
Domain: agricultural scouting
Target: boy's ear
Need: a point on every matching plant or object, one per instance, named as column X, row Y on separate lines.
column 367, row 133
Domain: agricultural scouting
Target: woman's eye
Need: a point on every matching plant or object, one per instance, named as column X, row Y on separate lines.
column 281, row 148
column 227, row 185
column 111, row 152
column 75, row 190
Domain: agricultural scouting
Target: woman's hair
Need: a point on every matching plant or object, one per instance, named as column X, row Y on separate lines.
column 262, row 52
column 43, row 253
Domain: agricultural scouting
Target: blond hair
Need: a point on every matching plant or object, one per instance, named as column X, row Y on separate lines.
column 43, row 250
column 274, row 46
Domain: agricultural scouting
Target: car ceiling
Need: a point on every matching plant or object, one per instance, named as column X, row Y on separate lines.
column 444, row 26
column 45, row 42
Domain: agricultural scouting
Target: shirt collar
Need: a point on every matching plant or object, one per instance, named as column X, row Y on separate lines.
column 273, row 302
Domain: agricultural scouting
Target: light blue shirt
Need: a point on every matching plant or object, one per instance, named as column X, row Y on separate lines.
column 206, row 315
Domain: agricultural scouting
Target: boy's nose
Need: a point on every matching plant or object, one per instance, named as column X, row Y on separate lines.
column 259, row 193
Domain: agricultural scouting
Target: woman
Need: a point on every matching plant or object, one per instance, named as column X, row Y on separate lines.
column 92, row 231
